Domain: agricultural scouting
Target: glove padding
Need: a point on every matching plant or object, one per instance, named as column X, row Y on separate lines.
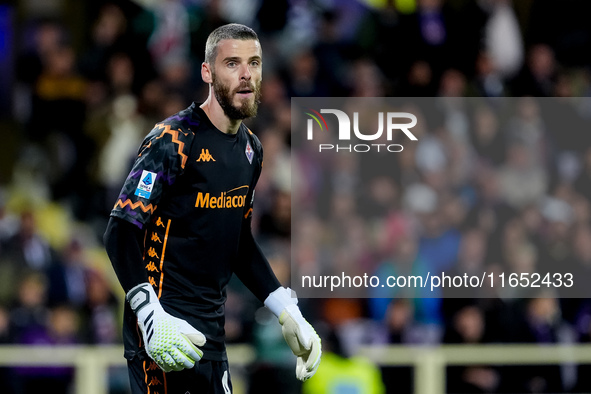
column 303, row 341
column 168, row 340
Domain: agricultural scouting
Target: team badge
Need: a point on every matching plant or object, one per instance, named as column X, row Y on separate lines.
column 249, row 152
column 144, row 189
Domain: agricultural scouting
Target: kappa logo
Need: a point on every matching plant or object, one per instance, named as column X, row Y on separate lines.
column 205, row 156
column 152, row 267
column 155, row 238
column 152, row 253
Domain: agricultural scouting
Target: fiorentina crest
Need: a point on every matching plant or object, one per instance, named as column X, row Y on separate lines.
column 249, row 152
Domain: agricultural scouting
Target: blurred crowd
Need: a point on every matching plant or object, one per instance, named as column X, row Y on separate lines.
column 491, row 186
column 472, row 191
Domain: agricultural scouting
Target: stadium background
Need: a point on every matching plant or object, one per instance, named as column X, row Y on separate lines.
column 82, row 82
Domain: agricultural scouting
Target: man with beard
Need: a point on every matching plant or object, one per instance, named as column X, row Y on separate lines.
column 181, row 227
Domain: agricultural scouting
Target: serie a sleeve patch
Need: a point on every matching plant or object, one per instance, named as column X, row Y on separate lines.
column 146, row 184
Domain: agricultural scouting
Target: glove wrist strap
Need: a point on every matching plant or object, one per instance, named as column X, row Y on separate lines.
column 294, row 312
column 141, row 296
column 278, row 300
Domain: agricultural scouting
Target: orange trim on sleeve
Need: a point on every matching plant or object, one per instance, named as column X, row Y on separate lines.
column 175, row 138
column 162, row 258
column 135, row 205
column 165, row 385
column 139, row 335
column 146, row 377
column 143, row 148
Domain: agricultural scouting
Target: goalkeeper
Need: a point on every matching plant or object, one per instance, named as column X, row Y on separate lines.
column 181, row 227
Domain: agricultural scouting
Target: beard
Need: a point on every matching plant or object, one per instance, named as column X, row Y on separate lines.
column 225, row 97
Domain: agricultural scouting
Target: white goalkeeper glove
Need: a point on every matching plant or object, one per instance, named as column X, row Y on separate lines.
column 298, row 333
column 168, row 340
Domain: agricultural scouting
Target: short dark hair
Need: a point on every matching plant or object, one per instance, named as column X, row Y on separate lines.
column 232, row 31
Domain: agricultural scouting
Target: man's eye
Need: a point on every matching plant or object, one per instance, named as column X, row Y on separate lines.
column 231, row 64
column 255, row 63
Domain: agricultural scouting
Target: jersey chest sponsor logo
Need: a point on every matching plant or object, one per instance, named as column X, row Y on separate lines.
column 234, row 198
column 205, row 156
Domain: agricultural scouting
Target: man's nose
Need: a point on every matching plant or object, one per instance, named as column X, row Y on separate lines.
column 245, row 73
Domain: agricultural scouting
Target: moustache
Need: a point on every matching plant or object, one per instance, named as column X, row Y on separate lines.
column 243, row 88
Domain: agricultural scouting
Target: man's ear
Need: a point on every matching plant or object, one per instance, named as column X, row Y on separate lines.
column 206, row 73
